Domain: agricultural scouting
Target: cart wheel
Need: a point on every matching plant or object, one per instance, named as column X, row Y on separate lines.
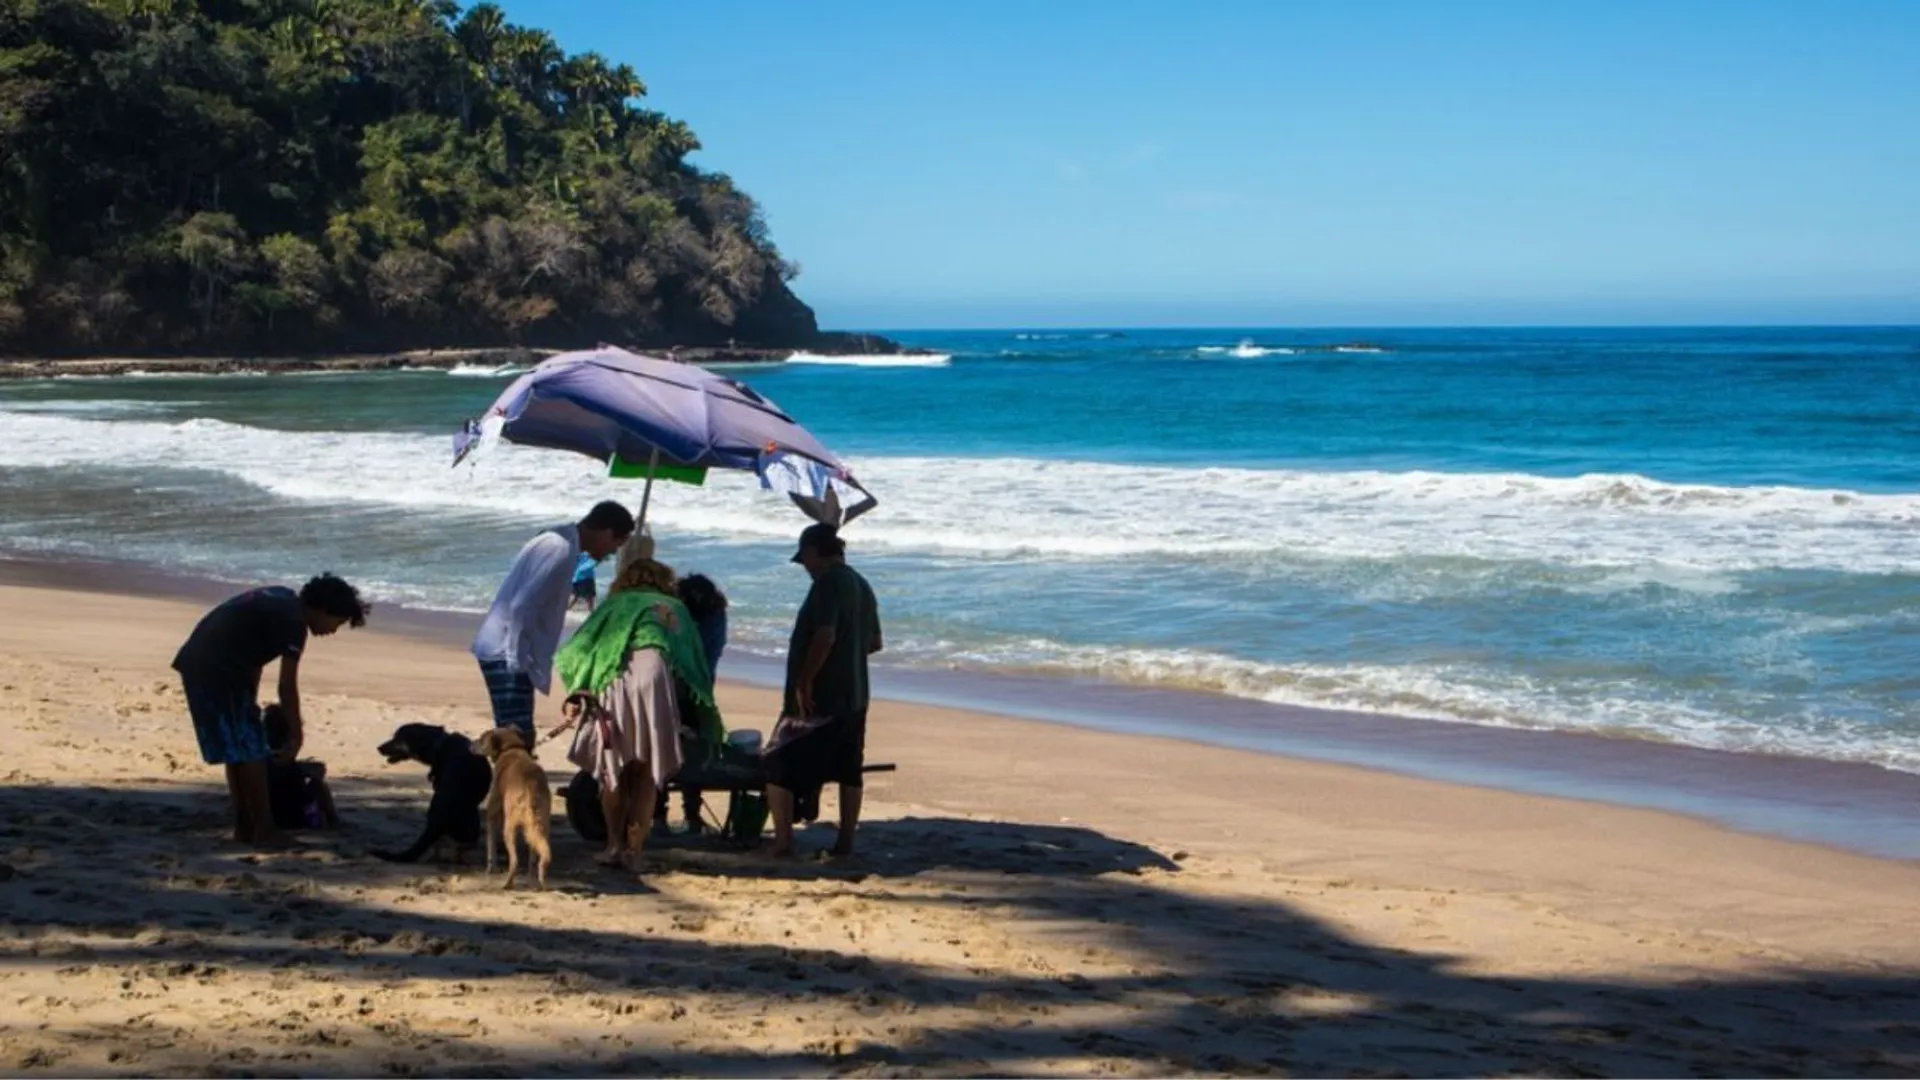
column 583, row 808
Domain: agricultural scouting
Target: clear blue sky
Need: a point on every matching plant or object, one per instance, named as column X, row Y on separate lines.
column 1283, row 162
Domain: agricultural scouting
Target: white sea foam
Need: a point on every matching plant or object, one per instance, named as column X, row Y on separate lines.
column 99, row 407
column 1455, row 693
column 1061, row 509
column 486, row 371
column 1246, row 350
column 872, row 361
column 1370, row 536
column 143, row 373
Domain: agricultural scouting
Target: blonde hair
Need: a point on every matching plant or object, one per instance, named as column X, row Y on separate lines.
column 638, row 546
column 646, row 575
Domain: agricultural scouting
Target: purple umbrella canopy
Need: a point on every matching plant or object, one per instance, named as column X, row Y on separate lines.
column 642, row 412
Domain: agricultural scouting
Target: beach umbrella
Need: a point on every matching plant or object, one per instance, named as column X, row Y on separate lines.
column 656, row 419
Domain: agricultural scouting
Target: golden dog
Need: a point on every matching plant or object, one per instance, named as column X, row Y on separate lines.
column 519, row 804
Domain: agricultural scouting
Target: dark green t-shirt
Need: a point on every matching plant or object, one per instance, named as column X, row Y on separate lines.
column 235, row 640
column 842, row 599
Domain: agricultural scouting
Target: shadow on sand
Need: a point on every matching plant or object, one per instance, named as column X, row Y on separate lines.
column 124, row 880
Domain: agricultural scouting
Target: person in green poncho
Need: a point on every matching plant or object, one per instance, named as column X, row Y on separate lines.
column 629, row 671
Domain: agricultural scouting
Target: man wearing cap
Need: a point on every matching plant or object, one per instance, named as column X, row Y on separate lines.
column 837, row 629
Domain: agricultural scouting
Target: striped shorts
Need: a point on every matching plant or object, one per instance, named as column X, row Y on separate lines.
column 512, row 695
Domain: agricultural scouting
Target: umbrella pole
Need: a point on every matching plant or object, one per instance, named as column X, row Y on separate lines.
column 646, row 493
column 639, row 545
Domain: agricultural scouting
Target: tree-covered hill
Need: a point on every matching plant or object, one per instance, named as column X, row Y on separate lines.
column 295, row 176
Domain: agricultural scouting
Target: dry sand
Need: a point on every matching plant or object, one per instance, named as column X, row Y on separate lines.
column 1031, row 899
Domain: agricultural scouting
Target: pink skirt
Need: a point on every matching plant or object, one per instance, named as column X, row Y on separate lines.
column 638, row 719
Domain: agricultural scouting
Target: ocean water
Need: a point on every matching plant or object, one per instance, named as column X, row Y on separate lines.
column 1707, row 537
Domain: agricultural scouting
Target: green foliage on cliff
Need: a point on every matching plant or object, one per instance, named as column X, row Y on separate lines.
column 302, row 175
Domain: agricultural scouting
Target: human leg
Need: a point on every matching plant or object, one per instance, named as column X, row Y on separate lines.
column 849, row 770
column 795, row 771
column 659, row 827
column 249, row 783
column 510, row 693
column 692, row 801
column 780, row 808
column 613, row 805
column 642, row 807
column 237, row 807
column 850, row 798
column 226, row 722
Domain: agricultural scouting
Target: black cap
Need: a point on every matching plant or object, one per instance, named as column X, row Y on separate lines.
column 822, row 538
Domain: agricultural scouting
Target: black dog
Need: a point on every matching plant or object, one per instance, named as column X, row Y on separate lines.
column 460, row 779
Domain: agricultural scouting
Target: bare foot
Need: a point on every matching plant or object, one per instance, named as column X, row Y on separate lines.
column 612, row 858
column 840, row 851
column 774, row 850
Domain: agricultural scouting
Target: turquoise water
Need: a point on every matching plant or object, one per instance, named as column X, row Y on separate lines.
column 1700, row 536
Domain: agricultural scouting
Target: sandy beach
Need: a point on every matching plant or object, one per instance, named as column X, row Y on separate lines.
column 1031, row 899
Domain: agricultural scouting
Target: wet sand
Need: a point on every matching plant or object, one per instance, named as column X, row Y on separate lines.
column 1031, row 898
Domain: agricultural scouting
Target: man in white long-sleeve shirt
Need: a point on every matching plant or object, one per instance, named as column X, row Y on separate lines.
column 516, row 642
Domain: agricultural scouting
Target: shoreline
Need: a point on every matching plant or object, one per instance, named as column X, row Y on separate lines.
column 17, row 368
column 1847, row 806
column 23, row 368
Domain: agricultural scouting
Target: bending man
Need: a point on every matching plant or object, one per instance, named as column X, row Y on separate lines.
column 516, row 642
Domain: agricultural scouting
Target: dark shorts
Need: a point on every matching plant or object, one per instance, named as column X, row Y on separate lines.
column 226, row 718
column 511, row 693
column 584, row 589
column 834, row 753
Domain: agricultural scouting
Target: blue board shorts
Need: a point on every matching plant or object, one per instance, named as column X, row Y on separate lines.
column 511, row 693
column 227, row 720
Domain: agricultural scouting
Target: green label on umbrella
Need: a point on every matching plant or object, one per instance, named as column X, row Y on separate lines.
column 622, row 469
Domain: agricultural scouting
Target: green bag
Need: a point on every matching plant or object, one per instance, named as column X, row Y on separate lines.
column 746, row 816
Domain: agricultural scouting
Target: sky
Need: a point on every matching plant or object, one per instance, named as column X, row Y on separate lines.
column 1033, row 163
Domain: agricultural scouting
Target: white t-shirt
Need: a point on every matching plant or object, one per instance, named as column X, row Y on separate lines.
column 529, row 612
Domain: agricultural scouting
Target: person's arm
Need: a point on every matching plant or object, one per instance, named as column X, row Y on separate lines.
column 571, row 711
column 718, row 634
column 818, row 649
column 290, row 705
column 873, row 624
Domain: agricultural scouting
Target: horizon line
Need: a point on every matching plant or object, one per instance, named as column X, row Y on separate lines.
column 1102, row 327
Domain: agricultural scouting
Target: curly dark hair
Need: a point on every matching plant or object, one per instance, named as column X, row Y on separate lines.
column 701, row 596
column 337, row 598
